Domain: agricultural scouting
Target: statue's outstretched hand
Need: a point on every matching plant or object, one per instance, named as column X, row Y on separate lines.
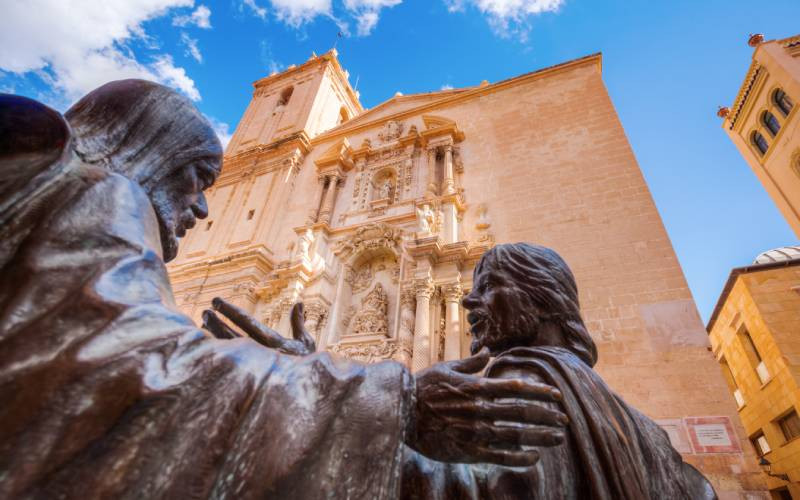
column 301, row 344
column 460, row 417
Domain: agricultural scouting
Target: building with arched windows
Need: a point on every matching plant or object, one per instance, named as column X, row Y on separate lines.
column 376, row 218
column 754, row 335
column 763, row 122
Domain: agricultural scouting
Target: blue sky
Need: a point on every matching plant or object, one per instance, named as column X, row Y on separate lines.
column 667, row 65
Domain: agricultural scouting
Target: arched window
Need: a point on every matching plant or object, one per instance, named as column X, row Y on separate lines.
column 759, row 142
column 772, row 123
column 783, row 101
column 285, row 96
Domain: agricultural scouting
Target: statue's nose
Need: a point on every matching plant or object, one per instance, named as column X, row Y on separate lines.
column 200, row 207
column 469, row 301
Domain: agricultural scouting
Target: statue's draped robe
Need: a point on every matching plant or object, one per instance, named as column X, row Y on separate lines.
column 108, row 391
column 612, row 451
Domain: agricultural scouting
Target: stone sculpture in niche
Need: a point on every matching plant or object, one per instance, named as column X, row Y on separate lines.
column 373, row 317
column 524, row 308
column 109, row 392
column 385, row 191
column 304, row 242
column 426, row 219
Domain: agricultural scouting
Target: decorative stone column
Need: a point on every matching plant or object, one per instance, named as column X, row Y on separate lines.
column 274, row 316
column 449, row 182
column 452, row 341
column 421, row 358
column 313, row 314
column 313, row 213
column 405, row 331
column 284, row 325
column 330, row 197
column 449, row 231
column 432, row 189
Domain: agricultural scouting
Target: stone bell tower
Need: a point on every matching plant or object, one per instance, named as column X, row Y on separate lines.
column 297, row 104
column 245, row 238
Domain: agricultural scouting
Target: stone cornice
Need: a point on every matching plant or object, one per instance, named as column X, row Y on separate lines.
column 337, row 158
column 452, row 99
column 441, row 127
column 256, row 257
column 298, row 140
column 745, row 91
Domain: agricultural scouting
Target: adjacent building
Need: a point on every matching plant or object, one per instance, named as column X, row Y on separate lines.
column 376, row 218
column 763, row 122
column 753, row 329
column 754, row 335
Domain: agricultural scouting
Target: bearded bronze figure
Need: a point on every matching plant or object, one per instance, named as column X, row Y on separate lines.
column 524, row 309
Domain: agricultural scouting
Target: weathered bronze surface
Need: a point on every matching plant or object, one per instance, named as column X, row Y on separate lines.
column 524, row 309
column 108, row 391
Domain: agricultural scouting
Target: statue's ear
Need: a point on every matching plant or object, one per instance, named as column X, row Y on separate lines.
column 32, row 137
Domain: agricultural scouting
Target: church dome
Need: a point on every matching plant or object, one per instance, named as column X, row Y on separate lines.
column 778, row 255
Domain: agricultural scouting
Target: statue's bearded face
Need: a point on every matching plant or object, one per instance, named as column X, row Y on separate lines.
column 501, row 314
column 179, row 201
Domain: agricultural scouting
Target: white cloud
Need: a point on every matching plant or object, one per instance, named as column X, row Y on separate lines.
column 367, row 12
column 255, row 8
column 298, row 12
column 508, row 17
column 169, row 74
column 79, row 45
column 268, row 60
column 446, row 86
column 192, row 49
column 200, row 17
column 222, row 129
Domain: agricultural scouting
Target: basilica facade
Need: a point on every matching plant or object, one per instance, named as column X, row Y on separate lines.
column 376, row 218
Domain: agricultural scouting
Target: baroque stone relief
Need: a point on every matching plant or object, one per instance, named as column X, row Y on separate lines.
column 369, row 183
column 360, row 278
column 367, row 353
column 369, row 237
column 372, row 319
column 391, row 131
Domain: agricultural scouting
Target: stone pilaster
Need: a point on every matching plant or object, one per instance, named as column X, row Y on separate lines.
column 449, row 181
column 313, row 213
column 405, row 331
column 433, row 188
column 452, row 293
column 326, row 212
column 423, row 290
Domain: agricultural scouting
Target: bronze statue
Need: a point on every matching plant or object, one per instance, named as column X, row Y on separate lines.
column 108, row 391
column 524, row 309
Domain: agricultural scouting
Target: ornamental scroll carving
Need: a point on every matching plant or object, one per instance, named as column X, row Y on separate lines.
column 369, row 237
column 391, row 131
column 366, row 353
column 373, row 316
column 359, row 279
